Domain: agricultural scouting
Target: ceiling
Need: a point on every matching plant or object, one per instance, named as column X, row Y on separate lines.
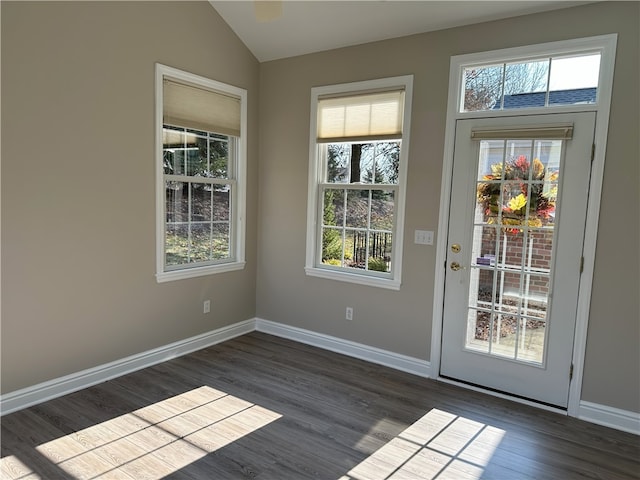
column 306, row 26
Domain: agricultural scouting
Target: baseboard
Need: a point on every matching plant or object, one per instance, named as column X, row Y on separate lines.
column 346, row 347
column 610, row 417
column 42, row 392
column 624, row 420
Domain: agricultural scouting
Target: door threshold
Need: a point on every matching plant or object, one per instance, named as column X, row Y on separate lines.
column 503, row 395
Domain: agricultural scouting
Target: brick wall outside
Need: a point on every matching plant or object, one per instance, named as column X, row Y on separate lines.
column 539, row 253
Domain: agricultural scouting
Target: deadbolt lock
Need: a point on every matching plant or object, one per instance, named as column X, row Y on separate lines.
column 455, row 248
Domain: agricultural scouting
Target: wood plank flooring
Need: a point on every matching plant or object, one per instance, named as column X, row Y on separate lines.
column 268, row 408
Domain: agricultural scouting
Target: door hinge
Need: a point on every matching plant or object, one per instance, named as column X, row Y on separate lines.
column 593, row 151
column 571, row 372
column 581, row 264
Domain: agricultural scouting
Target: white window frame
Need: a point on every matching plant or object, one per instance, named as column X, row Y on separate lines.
column 238, row 198
column 313, row 267
column 606, row 45
column 603, row 44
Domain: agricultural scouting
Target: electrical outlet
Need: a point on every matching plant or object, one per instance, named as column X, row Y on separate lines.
column 206, row 306
column 349, row 314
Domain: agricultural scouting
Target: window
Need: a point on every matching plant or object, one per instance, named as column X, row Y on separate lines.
column 551, row 81
column 200, row 171
column 358, row 157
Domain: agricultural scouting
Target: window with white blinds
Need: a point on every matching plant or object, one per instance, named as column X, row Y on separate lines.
column 359, row 150
column 200, row 108
column 200, row 175
column 367, row 116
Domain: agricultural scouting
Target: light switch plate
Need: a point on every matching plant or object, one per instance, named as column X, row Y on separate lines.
column 423, row 237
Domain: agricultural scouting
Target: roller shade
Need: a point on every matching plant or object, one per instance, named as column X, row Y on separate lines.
column 538, row 132
column 197, row 108
column 370, row 116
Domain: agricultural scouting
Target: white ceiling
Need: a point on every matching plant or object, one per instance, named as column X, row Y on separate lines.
column 307, row 26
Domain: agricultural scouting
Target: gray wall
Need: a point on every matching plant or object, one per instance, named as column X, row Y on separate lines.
column 401, row 321
column 78, row 183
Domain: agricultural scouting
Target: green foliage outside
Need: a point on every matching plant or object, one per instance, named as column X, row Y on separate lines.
column 331, row 239
column 367, row 209
column 333, row 261
column 377, row 264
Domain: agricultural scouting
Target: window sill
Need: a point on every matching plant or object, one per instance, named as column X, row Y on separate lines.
column 366, row 280
column 198, row 271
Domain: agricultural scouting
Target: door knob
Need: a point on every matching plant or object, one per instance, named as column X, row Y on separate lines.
column 455, row 266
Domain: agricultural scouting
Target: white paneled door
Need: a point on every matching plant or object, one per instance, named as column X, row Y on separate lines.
column 514, row 253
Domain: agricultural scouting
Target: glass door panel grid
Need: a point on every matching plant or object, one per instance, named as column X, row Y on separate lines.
column 512, row 249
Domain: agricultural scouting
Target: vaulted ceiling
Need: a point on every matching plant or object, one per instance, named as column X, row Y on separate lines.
column 280, row 29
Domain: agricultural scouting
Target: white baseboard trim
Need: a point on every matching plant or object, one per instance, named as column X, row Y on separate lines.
column 624, row 420
column 610, row 417
column 358, row 350
column 57, row 387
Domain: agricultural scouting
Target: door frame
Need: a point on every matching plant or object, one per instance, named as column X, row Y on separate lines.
column 606, row 45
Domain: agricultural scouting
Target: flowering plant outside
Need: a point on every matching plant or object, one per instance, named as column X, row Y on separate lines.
column 518, row 206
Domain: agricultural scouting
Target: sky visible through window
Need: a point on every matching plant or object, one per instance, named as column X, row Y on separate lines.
column 575, row 72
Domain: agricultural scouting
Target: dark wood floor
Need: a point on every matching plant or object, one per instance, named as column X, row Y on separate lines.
column 267, row 408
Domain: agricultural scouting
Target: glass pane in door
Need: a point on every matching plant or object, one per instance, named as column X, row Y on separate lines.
column 512, row 248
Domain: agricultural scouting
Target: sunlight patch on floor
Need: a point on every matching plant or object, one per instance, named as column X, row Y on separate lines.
column 152, row 442
column 12, row 467
column 438, row 446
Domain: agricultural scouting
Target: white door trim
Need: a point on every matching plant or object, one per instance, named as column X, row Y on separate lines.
column 607, row 45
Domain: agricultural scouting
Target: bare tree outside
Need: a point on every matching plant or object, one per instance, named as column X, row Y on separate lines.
column 485, row 86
